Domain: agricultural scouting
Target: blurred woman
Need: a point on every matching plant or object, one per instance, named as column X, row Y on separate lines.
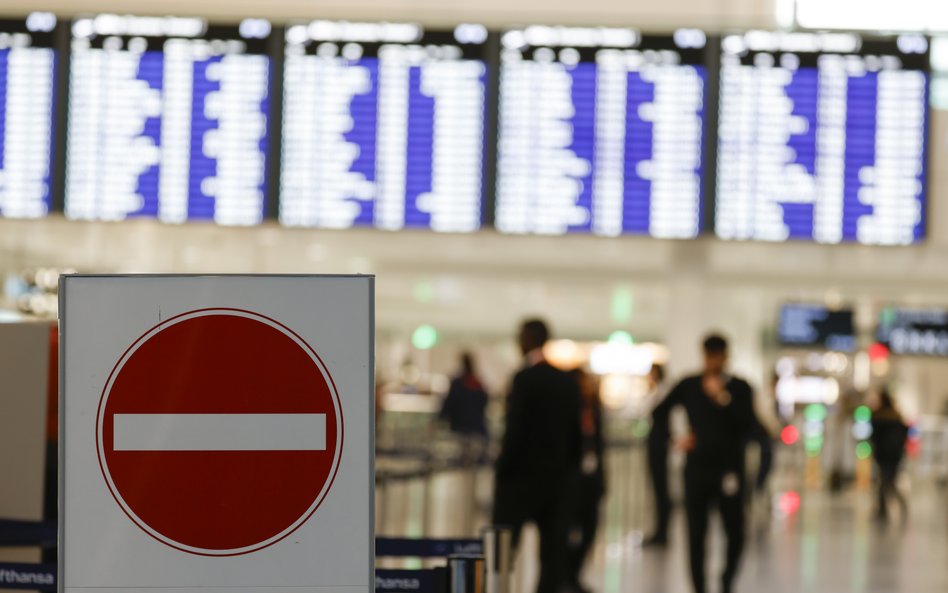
column 464, row 407
column 889, row 432
column 657, row 449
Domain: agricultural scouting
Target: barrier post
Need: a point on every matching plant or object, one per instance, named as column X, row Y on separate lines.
column 469, row 473
column 427, row 477
column 498, row 558
column 465, row 573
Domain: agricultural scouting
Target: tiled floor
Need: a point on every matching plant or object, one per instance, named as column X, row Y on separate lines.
column 810, row 542
column 830, row 545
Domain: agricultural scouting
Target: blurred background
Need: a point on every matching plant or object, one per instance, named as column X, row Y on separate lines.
column 638, row 174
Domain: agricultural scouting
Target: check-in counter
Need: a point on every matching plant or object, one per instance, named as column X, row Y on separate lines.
column 28, row 371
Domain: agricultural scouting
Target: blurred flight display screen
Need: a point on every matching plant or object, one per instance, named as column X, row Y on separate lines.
column 817, row 326
column 27, row 98
column 600, row 132
column 822, row 137
column 384, row 126
column 167, row 119
column 921, row 332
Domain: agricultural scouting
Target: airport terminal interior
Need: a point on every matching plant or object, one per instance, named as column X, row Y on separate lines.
column 636, row 175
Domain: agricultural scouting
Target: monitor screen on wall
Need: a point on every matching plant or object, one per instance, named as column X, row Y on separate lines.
column 822, row 137
column 816, row 326
column 601, row 132
column 914, row 331
column 27, row 113
column 167, row 119
column 384, row 125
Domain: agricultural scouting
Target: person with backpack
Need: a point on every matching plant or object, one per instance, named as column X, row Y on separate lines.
column 889, row 433
column 466, row 403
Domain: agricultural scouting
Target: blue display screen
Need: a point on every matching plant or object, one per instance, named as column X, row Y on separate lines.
column 601, row 131
column 172, row 127
column 817, row 326
column 383, row 126
column 27, row 114
column 822, row 137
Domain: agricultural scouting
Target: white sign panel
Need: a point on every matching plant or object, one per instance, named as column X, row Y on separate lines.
column 217, row 434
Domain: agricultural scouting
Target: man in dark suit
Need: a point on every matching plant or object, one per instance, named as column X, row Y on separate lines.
column 721, row 413
column 539, row 461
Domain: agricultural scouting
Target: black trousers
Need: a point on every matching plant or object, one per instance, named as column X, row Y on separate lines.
column 888, row 478
column 703, row 489
column 658, row 471
column 583, row 527
column 549, row 508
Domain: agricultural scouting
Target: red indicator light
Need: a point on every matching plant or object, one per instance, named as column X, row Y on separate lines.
column 789, row 435
column 878, row 352
column 789, row 502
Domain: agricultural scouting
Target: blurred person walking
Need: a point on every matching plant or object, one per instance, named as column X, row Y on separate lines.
column 720, row 410
column 464, row 407
column 592, row 482
column 889, row 432
column 657, row 447
column 539, row 461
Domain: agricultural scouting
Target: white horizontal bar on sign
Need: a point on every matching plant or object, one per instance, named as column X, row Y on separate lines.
column 219, row 432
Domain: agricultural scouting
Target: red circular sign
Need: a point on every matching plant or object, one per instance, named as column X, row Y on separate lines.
column 219, row 432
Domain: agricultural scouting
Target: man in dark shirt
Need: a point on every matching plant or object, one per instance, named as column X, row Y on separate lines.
column 721, row 413
column 539, row 461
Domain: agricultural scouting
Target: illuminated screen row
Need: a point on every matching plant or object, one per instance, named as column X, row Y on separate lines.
column 27, row 117
column 167, row 119
column 384, row 126
column 600, row 131
column 535, row 130
column 822, row 137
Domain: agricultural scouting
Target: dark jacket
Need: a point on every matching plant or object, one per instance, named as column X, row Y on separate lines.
column 464, row 406
column 888, row 437
column 721, row 432
column 542, row 445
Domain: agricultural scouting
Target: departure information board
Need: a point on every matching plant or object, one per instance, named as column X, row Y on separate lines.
column 27, row 112
column 822, row 137
column 817, row 326
column 601, row 131
column 384, row 126
column 167, row 119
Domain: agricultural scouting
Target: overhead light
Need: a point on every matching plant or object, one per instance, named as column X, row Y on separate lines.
column 425, row 337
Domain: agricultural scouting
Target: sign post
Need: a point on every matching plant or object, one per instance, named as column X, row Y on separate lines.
column 217, row 434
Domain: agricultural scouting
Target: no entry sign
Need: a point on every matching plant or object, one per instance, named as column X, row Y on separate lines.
column 219, row 431
column 217, row 419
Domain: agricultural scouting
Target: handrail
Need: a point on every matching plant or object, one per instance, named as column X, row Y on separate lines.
column 404, row 547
